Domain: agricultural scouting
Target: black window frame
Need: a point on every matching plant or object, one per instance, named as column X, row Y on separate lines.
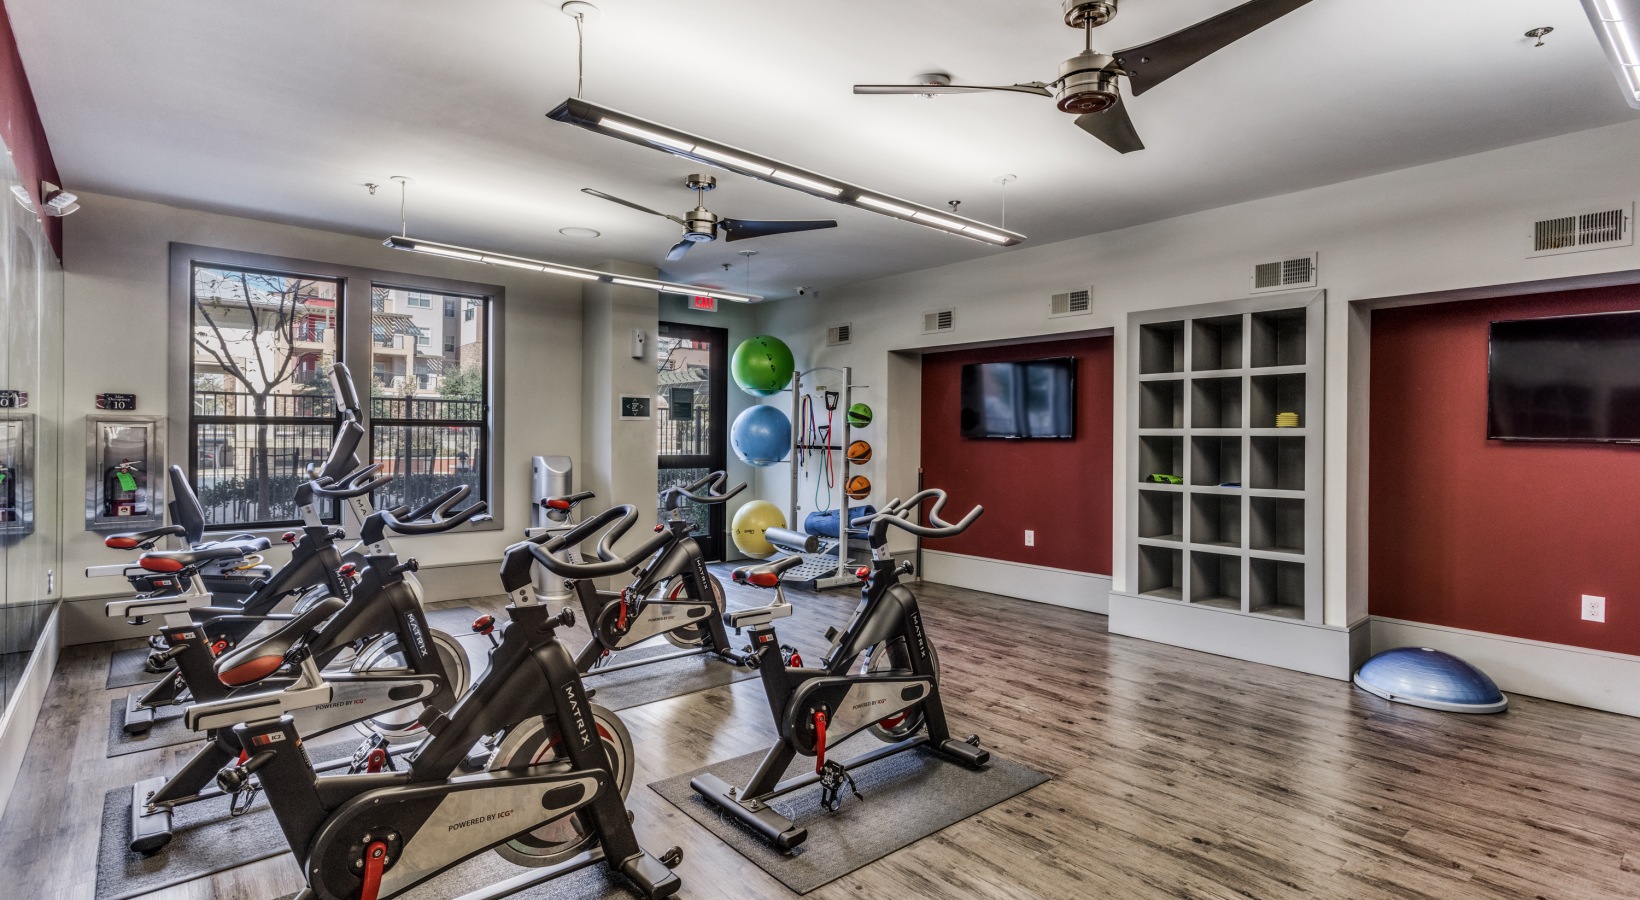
column 355, row 309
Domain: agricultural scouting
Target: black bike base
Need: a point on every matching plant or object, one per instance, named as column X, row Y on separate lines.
column 138, row 718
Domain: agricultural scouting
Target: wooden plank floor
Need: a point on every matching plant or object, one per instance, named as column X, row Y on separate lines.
column 1175, row 774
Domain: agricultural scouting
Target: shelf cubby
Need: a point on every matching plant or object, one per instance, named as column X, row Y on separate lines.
column 1277, row 463
column 1273, row 394
column 1161, row 515
column 1160, row 455
column 1215, row 519
column 1215, row 580
column 1278, row 338
column 1276, row 524
column 1161, row 404
column 1215, row 344
column 1161, row 572
column 1215, row 461
column 1275, row 588
column 1215, row 403
column 1161, row 348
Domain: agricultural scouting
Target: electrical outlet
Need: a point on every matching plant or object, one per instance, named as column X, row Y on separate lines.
column 1030, row 538
column 1594, row 608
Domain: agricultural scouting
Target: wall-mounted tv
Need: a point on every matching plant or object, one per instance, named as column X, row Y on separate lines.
column 1031, row 399
column 1565, row 378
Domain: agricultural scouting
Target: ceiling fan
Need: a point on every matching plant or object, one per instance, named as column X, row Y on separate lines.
column 1087, row 85
column 701, row 226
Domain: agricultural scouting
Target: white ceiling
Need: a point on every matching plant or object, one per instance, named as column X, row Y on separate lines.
column 284, row 110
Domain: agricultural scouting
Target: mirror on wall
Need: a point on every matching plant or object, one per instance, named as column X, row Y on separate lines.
column 31, row 426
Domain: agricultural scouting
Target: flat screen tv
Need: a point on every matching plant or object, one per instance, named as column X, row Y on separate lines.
column 1022, row 400
column 1566, row 378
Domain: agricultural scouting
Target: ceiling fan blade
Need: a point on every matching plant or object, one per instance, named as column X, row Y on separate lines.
column 678, row 250
column 1027, row 88
column 1113, row 127
column 741, row 229
column 1151, row 64
column 629, row 203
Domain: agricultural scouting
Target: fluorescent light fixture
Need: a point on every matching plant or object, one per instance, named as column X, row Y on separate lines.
column 614, row 123
column 1617, row 25
column 415, row 245
column 895, row 208
column 649, row 136
column 810, row 183
column 735, row 161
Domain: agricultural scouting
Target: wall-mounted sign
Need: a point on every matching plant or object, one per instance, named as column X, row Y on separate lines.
column 704, row 304
column 635, row 406
column 117, row 402
column 13, row 399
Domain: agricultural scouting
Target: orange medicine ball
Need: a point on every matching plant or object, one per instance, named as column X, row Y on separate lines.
column 859, row 487
column 859, row 452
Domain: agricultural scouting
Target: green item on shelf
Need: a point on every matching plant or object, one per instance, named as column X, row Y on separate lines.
column 1159, row 478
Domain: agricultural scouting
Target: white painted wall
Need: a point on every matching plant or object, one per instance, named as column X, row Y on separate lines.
column 116, row 286
column 1450, row 225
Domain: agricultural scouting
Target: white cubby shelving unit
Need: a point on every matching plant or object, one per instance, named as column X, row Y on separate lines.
column 1241, row 532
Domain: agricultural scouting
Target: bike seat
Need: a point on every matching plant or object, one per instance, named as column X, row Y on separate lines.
column 177, row 560
column 765, row 575
column 132, row 540
column 255, row 660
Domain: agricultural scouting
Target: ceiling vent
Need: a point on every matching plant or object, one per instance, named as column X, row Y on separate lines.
column 939, row 320
column 1590, row 229
column 1286, row 273
column 838, row 335
column 1071, row 303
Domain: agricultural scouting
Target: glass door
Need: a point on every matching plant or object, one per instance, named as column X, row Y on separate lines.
column 691, row 363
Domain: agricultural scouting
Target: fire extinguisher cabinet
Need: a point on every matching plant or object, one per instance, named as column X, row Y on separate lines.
column 16, row 473
column 125, row 473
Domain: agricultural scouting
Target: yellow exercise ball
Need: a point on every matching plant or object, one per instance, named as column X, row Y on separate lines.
column 751, row 521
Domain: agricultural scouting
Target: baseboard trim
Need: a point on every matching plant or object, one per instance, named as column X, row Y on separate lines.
column 1316, row 649
column 1041, row 584
column 17, row 723
column 1597, row 679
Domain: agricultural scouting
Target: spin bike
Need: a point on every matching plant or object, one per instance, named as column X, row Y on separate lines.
column 895, row 692
column 196, row 631
column 552, row 795
column 401, row 667
column 672, row 594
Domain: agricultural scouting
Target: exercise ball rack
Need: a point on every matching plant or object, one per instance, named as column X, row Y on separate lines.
column 828, row 564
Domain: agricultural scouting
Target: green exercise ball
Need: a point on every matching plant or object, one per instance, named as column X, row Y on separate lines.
column 763, row 365
column 859, row 415
column 751, row 521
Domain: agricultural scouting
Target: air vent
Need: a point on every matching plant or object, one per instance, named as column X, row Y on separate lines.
column 1071, row 303
column 1286, row 273
column 939, row 320
column 837, row 335
column 1590, row 229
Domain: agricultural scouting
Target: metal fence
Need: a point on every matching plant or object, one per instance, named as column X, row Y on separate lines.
column 240, row 404
column 685, row 437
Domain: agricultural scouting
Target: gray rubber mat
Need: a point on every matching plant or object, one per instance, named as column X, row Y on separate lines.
column 168, row 730
column 207, row 839
column 125, row 668
column 908, row 796
column 486, row 870
column 660, row 681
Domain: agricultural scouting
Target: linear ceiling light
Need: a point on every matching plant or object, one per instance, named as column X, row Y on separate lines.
column 681, row 143
column 416, row 245
column 1617, row 25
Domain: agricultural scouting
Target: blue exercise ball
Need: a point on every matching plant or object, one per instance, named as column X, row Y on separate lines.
column 761, row 436
column 1431, row 679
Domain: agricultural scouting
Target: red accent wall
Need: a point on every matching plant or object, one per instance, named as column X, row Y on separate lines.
column 1494, row 536
column 1059, row 489
column 20, row 127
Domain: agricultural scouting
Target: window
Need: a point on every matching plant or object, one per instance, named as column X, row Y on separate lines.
column 261, row 408
column 429, row 431
column 262, row 333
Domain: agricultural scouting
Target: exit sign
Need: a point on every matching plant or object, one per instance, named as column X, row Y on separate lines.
column 704, row 304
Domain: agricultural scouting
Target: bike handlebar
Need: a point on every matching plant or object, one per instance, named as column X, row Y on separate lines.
column 443, row 517
column 713, row 482
column 356, row 483
column 898, row 514
column 618, row 520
